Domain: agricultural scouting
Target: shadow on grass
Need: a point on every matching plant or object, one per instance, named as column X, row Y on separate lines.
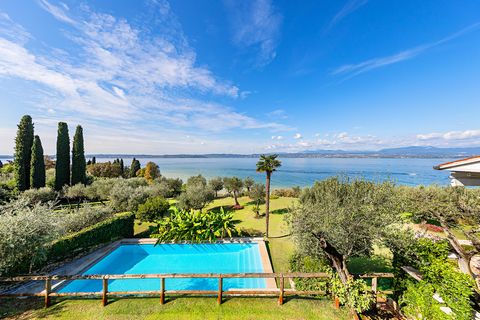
column 279, row 211
column 27, row 307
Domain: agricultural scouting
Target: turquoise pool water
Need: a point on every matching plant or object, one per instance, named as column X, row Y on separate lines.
column 175, row 258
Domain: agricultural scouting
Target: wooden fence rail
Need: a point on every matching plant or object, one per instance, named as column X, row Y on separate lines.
column 281, row 292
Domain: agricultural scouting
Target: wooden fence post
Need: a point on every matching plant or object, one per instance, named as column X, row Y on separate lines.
column 375, row 288
column 48, row 288
column 280, row 297
column 220, row 289
column 104, row 291
column 162, row 291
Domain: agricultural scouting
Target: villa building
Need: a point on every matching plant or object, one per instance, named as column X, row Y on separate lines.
column 464, row 172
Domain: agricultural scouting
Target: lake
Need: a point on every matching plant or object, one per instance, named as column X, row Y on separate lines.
column 304, row 171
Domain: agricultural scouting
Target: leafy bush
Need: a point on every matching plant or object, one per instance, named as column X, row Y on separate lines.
column 197, row 194
column 417, row 302
column 120, row 226
column 193, row 226
column 82, row 217
column 355, row 293
column 153, row 209
column 105, row 169
column 75, row 192
column 293, row 192
column 302, row 263
column 24, row 230
column 40, row 195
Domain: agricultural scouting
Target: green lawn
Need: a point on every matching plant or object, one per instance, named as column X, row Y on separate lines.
column 178, row 308
column 280, row 244
column 281, row 248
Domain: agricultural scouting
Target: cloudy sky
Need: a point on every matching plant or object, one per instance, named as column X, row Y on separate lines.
column 161, row 77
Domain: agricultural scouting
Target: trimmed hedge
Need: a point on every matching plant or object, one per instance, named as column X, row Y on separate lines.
column 120, row 226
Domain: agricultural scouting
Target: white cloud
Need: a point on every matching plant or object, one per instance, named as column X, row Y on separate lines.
column 352, row 70
column 57, row 12
column 123, row 73
column 297, row 136
column 348, row 8
column 450, row 135
column 277, row 137
column 256, row 25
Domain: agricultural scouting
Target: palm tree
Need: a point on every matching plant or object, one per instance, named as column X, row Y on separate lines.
column 268, row 164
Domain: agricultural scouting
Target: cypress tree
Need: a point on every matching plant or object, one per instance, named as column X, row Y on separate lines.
column 79, row 165
column 122, row 167
column 134, row 167
column 62, row 166
column 37, row 171
column 23, row 153
column 94, row 160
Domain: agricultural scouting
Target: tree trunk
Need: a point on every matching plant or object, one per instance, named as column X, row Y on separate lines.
column 235, row 196
column 337, row 259
column 463, row 256
column 267, row 202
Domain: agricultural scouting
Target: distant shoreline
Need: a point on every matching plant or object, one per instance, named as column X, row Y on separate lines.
column 293, row 156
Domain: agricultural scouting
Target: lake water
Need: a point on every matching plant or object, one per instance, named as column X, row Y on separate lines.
column 305, row 171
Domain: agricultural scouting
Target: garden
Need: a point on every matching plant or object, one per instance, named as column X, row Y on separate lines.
column 53, row 211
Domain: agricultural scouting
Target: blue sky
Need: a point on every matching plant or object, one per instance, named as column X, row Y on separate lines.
column 249, row 76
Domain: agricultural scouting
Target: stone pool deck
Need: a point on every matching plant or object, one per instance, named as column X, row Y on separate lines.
column 80, row 265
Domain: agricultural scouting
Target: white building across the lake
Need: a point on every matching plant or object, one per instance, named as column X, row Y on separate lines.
column 464, row 172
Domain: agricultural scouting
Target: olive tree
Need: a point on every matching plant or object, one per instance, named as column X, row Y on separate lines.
column 197, row 194
column 338, row 218
column 234, row 186
column 216, row 184
column 257, row 194
column 452, row 207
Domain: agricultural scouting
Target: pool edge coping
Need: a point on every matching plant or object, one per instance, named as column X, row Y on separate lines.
column 262, row 247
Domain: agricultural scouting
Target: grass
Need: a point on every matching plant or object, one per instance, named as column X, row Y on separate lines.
column 280, row 243
column 177, row 308
column 281, row 247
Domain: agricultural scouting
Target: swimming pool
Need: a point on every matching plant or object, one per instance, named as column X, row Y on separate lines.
column 175, row 258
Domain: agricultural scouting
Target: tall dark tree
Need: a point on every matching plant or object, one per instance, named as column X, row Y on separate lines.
column 62, row 166
column 122, row 166
column 94, row 160
column 134, row 167
column 79, row 165
column 23, row 153
column 268, row 164
column 37, row 167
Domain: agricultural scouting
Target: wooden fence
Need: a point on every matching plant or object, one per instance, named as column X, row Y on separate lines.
column 281, row 292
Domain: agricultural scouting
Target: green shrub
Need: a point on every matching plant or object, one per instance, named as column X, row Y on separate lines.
column 120, row 226
column 153, row 209
column 196, row 226
column 302, row 263
column 355, row 293
column 417, row 302
column 40, row 195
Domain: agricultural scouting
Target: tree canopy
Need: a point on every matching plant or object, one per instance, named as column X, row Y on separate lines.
column 339, row 218
column 23, row 153
column 62, row 165
column 79, row 174
column 37, row 171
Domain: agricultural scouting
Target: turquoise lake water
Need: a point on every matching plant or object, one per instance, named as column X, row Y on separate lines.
column 305, row 171
column 175, row 258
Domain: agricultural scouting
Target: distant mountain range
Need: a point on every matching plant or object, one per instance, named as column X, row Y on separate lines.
column 403, row 152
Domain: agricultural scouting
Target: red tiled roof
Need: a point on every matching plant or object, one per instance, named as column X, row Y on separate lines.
column 456, row 163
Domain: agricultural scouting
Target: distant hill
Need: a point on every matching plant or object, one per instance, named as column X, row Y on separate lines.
column 403, row 152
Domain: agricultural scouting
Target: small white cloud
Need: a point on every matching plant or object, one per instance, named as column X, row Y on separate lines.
column 451, row 135
column 297, row 136
column 57, row 12
column 119, row 92
column 277, row 137
column 51, row 111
